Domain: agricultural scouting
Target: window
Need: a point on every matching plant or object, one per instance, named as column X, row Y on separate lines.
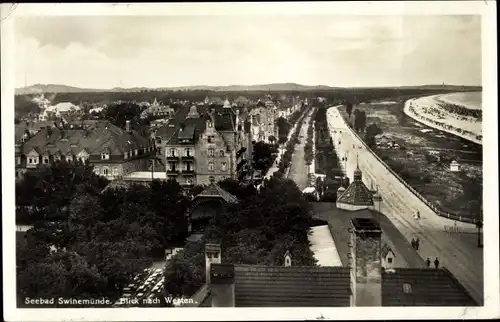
column 105, row 156
column 188, row 152
column 223, row 166
column 221, row 152
column 209, row 124
column 115, row 171
column 97, row 171
column 210, row 139
column 136, row 152
column 210, row 166
column 32, row 160
column 125, row 155
column 69, row 158
column 406, row 288
column 105, row 171
column 389, row 260
column 173, row 152
column 45, row 159
column 211, row 152
column 211, row 179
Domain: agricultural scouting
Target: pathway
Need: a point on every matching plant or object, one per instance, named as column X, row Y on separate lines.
column 298, row 168
column 458, row 252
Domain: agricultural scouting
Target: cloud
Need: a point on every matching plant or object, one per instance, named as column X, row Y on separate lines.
column 167, row 51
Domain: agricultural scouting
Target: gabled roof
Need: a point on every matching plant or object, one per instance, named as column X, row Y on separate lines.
column 386, row 249
column 215, row 191
column 425, row 287
column 294, row 286
column 99, row 137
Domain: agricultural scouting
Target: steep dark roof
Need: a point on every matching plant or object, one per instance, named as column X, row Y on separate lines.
column 166, row 132
column 214, row 190
column 193, row 128
column 357, row 193
column 99, row 137
column 425, row 287
column 278, row 286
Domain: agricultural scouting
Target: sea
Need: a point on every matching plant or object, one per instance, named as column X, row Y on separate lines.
column 472, row 100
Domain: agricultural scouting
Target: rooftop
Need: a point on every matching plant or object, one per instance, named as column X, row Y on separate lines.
column 278, row 286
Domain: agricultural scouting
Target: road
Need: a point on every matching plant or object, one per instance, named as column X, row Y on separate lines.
column 298, row 168
column 457, row 252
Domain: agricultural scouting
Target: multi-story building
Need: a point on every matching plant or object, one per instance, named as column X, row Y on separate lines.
column 158, row 110
column 205, row 145
column 263, row 121
column 112, row 151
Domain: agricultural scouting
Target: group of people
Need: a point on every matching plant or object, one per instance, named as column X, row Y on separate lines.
column 436, row 262
column 415, row 243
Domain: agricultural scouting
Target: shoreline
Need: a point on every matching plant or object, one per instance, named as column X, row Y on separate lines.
column 448, row 99
column 420, row 118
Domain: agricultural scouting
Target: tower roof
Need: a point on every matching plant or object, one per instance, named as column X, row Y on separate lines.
column 357, row 193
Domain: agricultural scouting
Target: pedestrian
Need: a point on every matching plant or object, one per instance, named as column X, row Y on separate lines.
column 436, row 263
column 413, row 243
column 417, row 243
column 428, row 262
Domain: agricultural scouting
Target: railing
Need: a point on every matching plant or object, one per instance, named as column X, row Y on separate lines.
column 188, row 172
column 416, row 193
column 172, row 158
column 187, row 157
column 172, row 172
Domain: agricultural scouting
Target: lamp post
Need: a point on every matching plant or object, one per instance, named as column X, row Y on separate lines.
column 479, row 225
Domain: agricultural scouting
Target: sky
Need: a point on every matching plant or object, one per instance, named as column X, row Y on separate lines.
column 166, row 51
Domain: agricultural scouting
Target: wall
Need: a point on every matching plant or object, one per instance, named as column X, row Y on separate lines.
column 203, row 159
column 416, row 193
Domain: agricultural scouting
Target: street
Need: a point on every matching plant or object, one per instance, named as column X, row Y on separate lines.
column 298, row 168
column 457, row 252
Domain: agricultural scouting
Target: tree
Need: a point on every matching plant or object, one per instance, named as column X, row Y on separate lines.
column 371, row 132
column 262, row 156
column 348, row 108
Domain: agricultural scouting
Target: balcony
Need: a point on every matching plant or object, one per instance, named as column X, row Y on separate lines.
column 188, row 172
column 187, row 157
column 172, row 172
column 172, row 157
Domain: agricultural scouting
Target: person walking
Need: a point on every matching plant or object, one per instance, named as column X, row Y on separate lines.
column 413, row 243
column 436, row 263
column 417, row 243
column 428, row 262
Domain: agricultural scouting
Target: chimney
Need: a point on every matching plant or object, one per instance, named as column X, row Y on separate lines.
column 127, row 125
column 212, row 256
column 222, row 285
column 366, row 268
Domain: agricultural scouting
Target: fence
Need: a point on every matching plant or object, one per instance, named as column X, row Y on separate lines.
column 416, row 193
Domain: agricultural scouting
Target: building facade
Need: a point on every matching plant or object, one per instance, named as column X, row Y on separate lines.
column 205, row 146
column 112, row 151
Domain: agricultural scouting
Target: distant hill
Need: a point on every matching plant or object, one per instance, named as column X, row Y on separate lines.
column 276, row 87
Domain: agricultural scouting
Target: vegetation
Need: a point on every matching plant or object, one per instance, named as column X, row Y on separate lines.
column 257, row 230
column 86, row 243
column 308, row 147
column 286, row 158
column 428, row 173
column 326, row 160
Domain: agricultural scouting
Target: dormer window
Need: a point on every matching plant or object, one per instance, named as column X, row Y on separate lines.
column 221, row 153
column 105, row 156
column 45, row 159
column 209, row 123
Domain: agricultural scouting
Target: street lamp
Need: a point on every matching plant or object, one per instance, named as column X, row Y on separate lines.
column 479, row 225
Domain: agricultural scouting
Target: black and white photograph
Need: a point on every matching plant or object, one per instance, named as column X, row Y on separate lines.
column 251, row 155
